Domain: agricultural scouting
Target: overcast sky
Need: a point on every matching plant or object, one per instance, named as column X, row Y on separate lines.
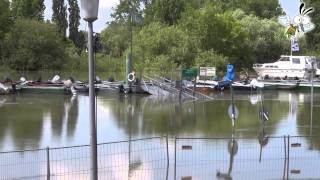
column 291, row 7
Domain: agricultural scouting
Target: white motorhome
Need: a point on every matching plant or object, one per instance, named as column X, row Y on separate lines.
column 298, row 67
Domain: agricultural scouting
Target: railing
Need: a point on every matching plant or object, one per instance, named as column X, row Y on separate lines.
column 167, row 85
column 266, row 157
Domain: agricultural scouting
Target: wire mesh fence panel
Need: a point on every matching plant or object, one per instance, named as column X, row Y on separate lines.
column 70, row 163
column 304, row 158
column 23, row 165
column 194, row 158
column 136, row 159
column 227, row 158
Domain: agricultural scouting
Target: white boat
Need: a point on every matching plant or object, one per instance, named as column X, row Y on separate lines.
column 292, row 67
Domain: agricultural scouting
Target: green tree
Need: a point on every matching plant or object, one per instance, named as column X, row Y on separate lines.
column 32, row 9
column 261, row 8
column 59, row 16
column 127, row 8
column 266, row 39
column 313, row 37
column 165, row 47
column 115, row 39
column 218, row 31
column 33, row 45
column 165, row 11
column 5, row 22
column 211, row 58
column 74, row 22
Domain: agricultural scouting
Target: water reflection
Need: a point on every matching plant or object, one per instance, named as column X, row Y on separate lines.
column 232, row 150
column 160, row 116
column 62, row 120
column 23, row 119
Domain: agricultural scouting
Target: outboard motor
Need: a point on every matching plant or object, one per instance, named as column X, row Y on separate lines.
column 39, row 80
column 3, row 89
column 23, row 81
column 98, row 80
column 111, row 79
column 55, row 79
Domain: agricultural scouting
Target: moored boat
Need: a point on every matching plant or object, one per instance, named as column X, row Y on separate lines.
column 288, row 67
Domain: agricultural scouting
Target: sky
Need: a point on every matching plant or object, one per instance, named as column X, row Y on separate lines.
column 291, row 7
column 105, row 9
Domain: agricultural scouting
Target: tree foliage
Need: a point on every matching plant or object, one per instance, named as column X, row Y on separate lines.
column 5, row 18
column 128, row 10
column 266, row 38
column 74, row 22
column 261, row 8
column 115, row 39
column 59, row 16
column 163, row 46
column 165, row 11
column 313, row 37
column 33, row 45
column 32, row 9
column 198, row 32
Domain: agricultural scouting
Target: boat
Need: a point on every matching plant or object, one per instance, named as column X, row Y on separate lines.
column 288, row 67
column 306, row 85
column 8, row 89
column 43, row 88
column 266, row 85
column 243, row 86
column 280, row 84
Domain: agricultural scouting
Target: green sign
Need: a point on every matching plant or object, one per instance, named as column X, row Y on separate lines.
column 192, row 72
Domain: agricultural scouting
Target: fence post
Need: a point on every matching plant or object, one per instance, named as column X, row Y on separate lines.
column 48, row 163
column 167, row 151
column 175, row 157
column 285, row 157
column 167, row 173
column 288, row 155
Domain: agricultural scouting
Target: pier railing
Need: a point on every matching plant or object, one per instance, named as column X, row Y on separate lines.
column 264, row 157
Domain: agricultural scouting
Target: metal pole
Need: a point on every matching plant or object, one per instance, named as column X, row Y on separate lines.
column 285, row 157
column 233, row 109
column 180, row 92
column 167, row 144
column 175, row 158
column 92, row 104
column 291, row 47
column 48, row 164
column 194, row 86
column 288, row 155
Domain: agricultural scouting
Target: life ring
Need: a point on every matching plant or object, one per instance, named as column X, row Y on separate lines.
column 131, row 77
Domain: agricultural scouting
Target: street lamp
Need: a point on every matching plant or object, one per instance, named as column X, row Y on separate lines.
column 90, row 13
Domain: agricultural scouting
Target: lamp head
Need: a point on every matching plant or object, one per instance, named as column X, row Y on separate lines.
column 89, row 9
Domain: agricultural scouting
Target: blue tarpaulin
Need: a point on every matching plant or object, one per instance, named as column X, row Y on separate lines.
column 230, row 73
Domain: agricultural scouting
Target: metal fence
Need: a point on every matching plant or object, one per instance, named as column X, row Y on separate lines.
column 262, row 158
column 117, row 160
column 190, row 158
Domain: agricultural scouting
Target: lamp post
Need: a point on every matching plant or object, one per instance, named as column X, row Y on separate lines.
column 90, row 14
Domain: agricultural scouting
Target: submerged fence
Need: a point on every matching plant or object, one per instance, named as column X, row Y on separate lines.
column 116, row 160
column 175, row 158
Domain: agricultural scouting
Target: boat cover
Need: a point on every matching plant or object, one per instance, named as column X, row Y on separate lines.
column 230, row 73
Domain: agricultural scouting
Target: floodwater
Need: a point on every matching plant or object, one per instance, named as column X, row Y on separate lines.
column 207, row 146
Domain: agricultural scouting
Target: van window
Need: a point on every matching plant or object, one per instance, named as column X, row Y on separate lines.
column 284, row 59
column 295, row 61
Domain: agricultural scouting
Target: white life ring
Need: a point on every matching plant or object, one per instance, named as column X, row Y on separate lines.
column 131, row 77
